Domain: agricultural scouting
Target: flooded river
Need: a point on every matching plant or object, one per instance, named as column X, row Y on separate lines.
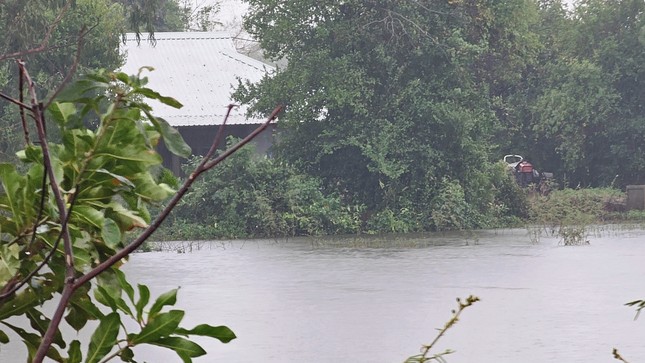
column 378, row 300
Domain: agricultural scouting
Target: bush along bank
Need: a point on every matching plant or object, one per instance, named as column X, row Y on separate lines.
column 252, row 196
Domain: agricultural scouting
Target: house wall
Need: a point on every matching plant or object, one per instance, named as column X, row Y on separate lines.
column 200, row 138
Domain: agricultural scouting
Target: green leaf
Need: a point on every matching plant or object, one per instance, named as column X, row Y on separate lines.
column 105, row 298
column 11, row 183
column 104, row 338
column 171, row 137
column 74, row 352
column 4, row 338
column 126, row 216
column 111, row 233
column 62, row 112
column 119, row 178
column 125, row 285
column 32, row 342
column 123, row 77
column 148, row 189
column 156, row 96
column 83, row 90
column 221, row 333
column 19, row 304
column 82, row 259
column 31, row 153
column 89, row 215
column 185, row 348
column 162, row 325
column 39, row 322
column 123, row 306
column 110, row 282
column 81, row 299
column 76, row 318
column 168, row 298
column 131, row 153
column 10, row 262
column 144, row 298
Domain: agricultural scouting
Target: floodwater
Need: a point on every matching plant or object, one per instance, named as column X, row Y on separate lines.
column 380, row 299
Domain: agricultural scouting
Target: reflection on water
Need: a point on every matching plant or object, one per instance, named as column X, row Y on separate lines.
column 378, row 299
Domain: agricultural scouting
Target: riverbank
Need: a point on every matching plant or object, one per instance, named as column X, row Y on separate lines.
column 557, row 210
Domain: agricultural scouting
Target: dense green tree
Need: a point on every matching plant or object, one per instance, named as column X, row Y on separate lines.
column 607, row 34
column 391, row 102
column 586, row 116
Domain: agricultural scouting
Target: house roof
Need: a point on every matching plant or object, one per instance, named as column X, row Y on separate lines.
column 198, row 69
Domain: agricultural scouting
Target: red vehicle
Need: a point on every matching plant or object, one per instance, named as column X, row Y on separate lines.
column 524, row 172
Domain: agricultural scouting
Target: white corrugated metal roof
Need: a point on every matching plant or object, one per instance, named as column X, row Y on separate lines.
column 199, row 69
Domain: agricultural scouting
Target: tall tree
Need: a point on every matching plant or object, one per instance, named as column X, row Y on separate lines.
column 589, row 115
column 389, row 102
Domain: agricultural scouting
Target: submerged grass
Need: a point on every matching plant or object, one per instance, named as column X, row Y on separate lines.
column 575, row 214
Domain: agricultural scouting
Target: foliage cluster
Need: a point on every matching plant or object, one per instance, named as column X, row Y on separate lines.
column 588, row 205
column 253, row 196
column 63, row 221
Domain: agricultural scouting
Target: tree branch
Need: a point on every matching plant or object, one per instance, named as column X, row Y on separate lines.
column 23, row 119
column 15, row 101
column 37, row 110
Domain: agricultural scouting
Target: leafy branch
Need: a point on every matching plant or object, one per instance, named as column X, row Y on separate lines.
column 639, row 304
column 425, row 350
column 99, row 183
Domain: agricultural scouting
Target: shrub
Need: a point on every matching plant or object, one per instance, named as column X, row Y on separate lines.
column 251, row 195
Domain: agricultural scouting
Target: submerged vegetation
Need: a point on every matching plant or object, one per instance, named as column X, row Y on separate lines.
column 570, row 213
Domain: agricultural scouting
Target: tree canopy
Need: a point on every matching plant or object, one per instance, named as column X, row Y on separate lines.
column 395, row 104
